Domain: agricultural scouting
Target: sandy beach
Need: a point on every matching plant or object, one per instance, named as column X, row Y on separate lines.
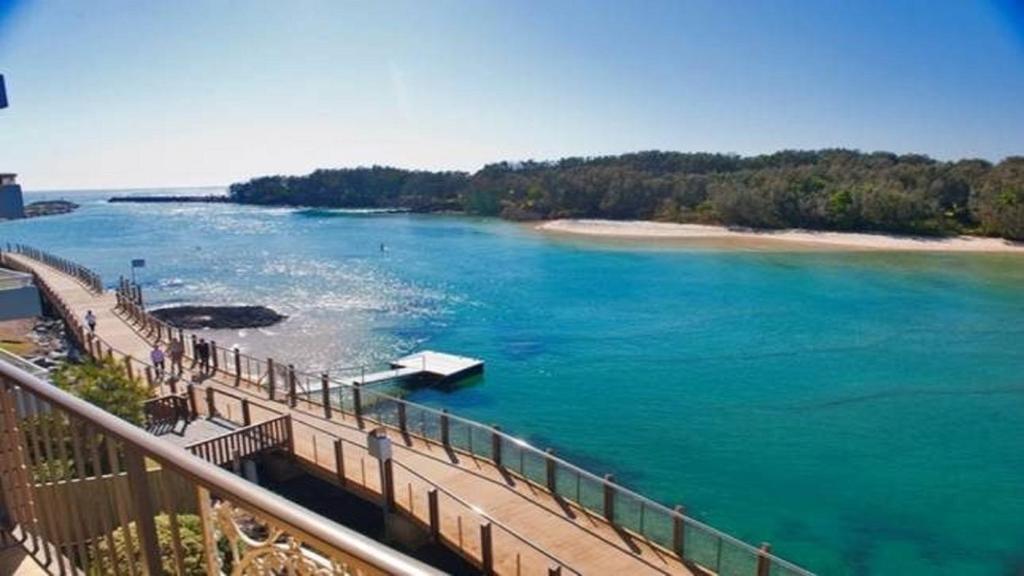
column 721, row 236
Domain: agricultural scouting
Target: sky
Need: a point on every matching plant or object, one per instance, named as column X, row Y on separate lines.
column 127, row 94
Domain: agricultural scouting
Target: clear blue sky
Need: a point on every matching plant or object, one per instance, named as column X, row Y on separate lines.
column 170, row 93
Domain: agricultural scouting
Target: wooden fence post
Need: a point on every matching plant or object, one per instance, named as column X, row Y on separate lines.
column 496, row 445
column 213, row 355
column 609, row 497
column 290, row 429
column 435, row 515
column 238, row 367
column 193, row 404
column 679, row 532
column 445, row 431
column 764, row 562
column 246, row 416
column 195, row 355
column 211, row 406
column 128, row 368
column 292, row 392
column 388, row 484
column 325, row 394
column 339, row 460
column 487, row 547
column 357, row 403
column 403, row 423
column 549, row 464
column 270, row 378
column 138, row 486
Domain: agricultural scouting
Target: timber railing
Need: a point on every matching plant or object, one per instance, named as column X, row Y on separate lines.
column 601, row 496
column 166, row 410
column 246, row 442
column 80, row 495
column 90, row 279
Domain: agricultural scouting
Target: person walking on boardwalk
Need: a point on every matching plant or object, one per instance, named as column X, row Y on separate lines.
column 90, row 319
column 156, row 355
column 176, row 350
column 203, row 351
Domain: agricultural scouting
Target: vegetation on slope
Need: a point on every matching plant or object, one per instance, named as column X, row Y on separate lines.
column 823, row 190
column 190, row 539
column 104, row 384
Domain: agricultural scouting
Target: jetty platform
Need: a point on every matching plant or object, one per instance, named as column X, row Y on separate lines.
column 439, row 367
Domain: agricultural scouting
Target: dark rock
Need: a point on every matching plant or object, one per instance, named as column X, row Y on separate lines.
column 233, row 317
column 49, row 208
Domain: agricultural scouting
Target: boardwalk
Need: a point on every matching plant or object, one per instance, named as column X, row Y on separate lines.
column 531, row 531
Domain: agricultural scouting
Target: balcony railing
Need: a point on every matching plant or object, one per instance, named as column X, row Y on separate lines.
column 84, row 491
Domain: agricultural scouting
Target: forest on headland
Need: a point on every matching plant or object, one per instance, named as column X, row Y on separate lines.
column 834, row 189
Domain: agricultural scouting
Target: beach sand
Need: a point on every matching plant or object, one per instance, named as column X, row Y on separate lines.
column 723, row 237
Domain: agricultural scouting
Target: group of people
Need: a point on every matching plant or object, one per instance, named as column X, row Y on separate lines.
column 175, row 350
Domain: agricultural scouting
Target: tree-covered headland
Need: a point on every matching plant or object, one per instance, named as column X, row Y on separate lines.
column 832, row 189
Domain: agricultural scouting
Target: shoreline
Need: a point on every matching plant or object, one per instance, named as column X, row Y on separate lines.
column 710, row 236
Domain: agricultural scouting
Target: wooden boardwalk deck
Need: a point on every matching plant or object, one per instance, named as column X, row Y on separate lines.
column 531, row 530
column 186, row 434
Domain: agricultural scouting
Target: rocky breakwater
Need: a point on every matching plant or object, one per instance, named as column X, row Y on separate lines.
column 49, row 208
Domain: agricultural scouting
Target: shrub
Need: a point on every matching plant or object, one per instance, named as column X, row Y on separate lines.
column 191, row 540
column 105, row 385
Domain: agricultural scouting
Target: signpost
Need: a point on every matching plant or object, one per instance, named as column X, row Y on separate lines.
column 137, row 263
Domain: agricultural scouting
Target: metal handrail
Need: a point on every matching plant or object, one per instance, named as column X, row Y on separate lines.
column 522, row 444
column 312, row 527
column 476, row 510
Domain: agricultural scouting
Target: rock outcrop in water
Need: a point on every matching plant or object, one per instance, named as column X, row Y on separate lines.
column 232, row 317
column 49, row 208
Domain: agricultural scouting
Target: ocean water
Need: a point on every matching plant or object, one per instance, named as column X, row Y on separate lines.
column 863, row 412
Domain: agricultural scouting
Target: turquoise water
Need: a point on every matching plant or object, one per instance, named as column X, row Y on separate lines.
column 862, row 412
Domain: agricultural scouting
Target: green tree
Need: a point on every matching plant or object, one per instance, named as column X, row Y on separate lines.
column 817, row 189
column 1000, row 200
column 104, row 384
